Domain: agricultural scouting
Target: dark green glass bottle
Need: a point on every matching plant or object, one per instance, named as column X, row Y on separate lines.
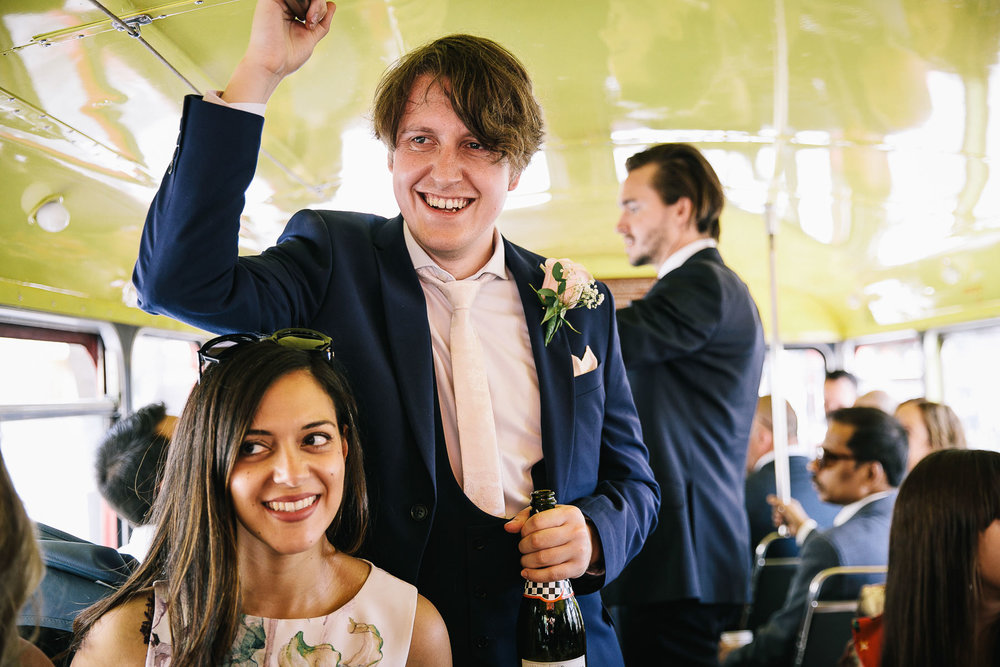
column 550, row 629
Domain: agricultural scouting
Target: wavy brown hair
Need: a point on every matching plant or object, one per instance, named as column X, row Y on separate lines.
column 21, row 566
column 194, row 547
column 489, row 90
column 933, row 588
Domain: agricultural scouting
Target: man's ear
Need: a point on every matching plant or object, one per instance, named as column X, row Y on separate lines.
column 515, row 178
column 388, row 160
column 875, row 475
column 683, row 212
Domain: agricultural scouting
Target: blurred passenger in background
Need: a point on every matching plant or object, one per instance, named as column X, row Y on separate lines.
column 863, row 460
column 761, row 480
column 929, row 427
column 840, row 390
column 129, row 466
column 21, row 570
column 876, row 399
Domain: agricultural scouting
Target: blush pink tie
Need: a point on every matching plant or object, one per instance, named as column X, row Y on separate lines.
column 477, row 437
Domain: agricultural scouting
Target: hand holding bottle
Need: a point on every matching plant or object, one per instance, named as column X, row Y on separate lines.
column 555, row 544
column 550, row 628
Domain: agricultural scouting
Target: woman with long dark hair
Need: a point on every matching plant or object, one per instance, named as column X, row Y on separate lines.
column 942, row 592
column 21, row 570
column 262, row 505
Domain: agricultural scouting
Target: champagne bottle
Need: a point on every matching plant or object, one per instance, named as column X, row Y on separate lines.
column 550, row 629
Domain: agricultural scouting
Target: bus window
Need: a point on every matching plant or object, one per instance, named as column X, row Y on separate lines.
column 893, row 366
column 163, row 369
column 802, row 371
column 970, row 366
column 53, row 410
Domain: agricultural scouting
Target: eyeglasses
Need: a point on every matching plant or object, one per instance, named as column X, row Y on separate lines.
column 218, row 349
column 825, row 458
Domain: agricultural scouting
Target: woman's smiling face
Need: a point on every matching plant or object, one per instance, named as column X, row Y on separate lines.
column 288, row 479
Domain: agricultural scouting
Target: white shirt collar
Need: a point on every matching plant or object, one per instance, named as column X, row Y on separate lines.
column 848, row 511
column 767, row 457
column 421, row 260
column 683, row 254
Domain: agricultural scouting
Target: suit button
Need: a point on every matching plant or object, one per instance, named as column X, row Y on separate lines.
column 418, row 512
column 479, row 593
column 478, row 544
column 482, row 642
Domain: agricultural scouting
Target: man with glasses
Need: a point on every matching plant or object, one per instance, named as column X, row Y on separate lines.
column 460, row 123
column 760, row 482
column 860, row 464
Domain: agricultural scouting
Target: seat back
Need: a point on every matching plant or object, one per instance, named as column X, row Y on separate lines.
column 77, row 574
column 775, row 562
column 830, row 607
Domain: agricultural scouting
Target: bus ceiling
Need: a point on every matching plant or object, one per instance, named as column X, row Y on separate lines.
column 869, row 128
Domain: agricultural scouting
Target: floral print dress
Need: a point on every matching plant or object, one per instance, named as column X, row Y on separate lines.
column 373, row 628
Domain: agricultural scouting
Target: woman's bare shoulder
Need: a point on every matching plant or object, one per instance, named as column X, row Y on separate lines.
column 121, row 636
column 429, row 643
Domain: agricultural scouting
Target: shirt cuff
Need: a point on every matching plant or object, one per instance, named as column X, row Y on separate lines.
column 212, row 96
column 803, row 532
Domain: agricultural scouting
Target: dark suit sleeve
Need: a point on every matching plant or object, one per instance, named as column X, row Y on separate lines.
column 774, row 643
column 678, row 316
column 623, row 507
column 188, row 265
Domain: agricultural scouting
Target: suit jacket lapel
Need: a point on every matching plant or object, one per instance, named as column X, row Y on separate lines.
column 554, row 368
column 408, row 333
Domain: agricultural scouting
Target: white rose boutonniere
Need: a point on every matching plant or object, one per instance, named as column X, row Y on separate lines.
column 567, row 285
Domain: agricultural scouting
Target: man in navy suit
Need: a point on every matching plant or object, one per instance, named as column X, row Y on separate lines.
column 460, row 123
column 863, row 459
column 693, row 349
column 760, row 475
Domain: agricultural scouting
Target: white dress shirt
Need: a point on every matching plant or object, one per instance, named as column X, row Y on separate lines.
column 499, row 320
column 683, row 254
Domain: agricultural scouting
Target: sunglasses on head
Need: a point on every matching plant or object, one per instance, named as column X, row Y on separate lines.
column 218, row 349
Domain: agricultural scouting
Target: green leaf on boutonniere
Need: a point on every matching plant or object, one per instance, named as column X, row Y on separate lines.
column 567, row 285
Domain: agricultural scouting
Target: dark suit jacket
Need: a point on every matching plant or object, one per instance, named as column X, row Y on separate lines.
column 761, row 483
column 350, row 276
column 862, row 540
column 694, row 348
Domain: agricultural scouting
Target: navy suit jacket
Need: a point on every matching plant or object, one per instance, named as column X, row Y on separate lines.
column 861, row 540
column 350, row 276
column 761, row 483
column 694, row 348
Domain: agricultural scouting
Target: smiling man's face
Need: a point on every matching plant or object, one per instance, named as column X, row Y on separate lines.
column 450, row 189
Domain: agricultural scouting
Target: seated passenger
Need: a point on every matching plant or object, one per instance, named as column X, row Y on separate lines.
column 840, row 390
column 861, row 462
column 876, row 399
column 129, row 465
column 760, row 481
column 929, row 426
column 263, row 501
column 21, row 570
column 942, row 593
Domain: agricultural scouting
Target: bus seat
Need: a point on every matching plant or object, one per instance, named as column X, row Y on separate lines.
column 830, row 607
column 775, row 562
column 77, row 574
